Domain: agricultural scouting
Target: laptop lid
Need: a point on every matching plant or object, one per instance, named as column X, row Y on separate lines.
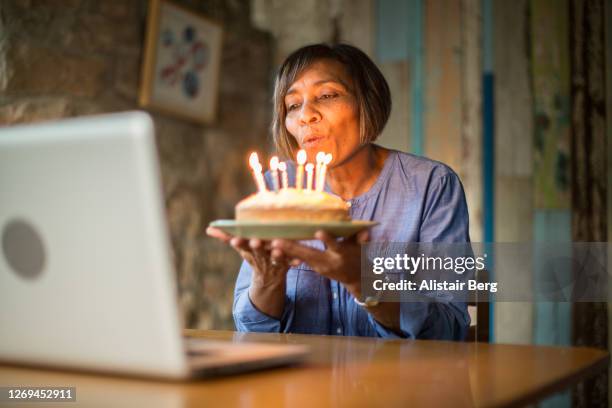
column 86, row 278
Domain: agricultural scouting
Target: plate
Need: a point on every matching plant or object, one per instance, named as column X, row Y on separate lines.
column 290, row 229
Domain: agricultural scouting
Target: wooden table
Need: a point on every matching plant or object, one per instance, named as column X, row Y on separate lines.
column 349, row 371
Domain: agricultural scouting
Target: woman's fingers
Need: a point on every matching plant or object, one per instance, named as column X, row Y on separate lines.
column 280, row 254
column 251, row 250
column 292, row 249
column 276, row 254
column 218, row 234
column 255, row 251
column 363, row 237
column 261, row 255
column 239, row 244
column 255, row 244
column 328, row 239
column 258, row 253
column 335, row 245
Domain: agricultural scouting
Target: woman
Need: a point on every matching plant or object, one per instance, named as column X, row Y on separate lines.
column 334, row 99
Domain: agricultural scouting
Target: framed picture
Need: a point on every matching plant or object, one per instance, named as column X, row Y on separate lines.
column 182, row 58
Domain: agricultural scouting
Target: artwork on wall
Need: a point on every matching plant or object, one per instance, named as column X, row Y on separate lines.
column 182, row 57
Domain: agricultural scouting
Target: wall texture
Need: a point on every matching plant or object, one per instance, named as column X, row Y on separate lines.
column 77, row 57
column 589, row 178
column 295, row 24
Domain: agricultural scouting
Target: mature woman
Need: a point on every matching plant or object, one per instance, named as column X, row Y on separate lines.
column 333, row 98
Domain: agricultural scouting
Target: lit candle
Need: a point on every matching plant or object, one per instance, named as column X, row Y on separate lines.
column 282, row 166
column 320, row 158
column 274, row 172
column 321, row 181
column 328, row 159
column 299, row 175
column 309, row 169
column 257, row 175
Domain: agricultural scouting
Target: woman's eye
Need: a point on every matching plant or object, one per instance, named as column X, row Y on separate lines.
column 293, row 106
column 328, row 96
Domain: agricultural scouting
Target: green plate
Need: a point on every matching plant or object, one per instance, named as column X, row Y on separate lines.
column 290, row 229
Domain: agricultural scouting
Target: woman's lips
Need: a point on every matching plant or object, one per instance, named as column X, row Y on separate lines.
column 311, row 141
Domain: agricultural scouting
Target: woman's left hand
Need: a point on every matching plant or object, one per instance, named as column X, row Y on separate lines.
column 340, row 261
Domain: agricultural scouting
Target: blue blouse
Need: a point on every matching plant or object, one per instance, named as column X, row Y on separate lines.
column 414, row 199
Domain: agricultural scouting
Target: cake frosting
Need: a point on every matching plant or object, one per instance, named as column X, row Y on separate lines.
column 291, row 204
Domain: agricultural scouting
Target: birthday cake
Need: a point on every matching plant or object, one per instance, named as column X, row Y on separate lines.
column 291, row 204
column 284, row 203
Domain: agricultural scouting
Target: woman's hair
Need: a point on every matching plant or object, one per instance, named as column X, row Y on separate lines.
column 369, row 87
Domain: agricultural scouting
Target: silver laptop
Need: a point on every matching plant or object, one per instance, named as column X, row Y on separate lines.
column 86, row 277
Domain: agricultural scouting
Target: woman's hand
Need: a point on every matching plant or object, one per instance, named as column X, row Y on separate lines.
column 340, row 261
column 270, row 266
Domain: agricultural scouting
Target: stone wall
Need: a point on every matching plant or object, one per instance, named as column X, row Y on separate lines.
column 77, row 57
column 297, row 23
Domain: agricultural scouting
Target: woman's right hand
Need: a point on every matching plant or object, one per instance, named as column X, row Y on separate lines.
column 270, row 266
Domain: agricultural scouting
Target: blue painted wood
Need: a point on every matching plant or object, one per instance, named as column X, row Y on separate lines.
column 488, row 175
column 399, row 37
column 549, row 56
column 552, row 320
column 417, row 84
column 487, row 35
column 488, row 156
column 488, row 140
column 392, row 30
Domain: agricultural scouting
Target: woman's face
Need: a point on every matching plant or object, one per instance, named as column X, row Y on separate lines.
column 322, row 112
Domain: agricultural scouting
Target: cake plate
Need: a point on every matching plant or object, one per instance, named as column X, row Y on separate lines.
column 290, row 229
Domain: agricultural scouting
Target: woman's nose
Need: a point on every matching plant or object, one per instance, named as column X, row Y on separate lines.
column 309, row 114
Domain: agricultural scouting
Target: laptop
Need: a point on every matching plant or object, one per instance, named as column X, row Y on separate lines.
column 86, row 274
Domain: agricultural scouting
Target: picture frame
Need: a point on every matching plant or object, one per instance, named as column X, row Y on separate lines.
column 181, row 63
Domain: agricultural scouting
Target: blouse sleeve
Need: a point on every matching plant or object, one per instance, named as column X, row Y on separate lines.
column 445, row 215
column 246, row 316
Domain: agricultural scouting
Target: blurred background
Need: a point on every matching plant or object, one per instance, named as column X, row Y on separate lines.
column 510, row 94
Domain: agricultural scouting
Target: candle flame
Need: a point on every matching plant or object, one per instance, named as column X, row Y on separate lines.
column 328, row 158
column 309, row 167
column 274, row 163
column 256, row 166
column 282, row 166
column 301, row 157
column 254, row 160
column 320, row 157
